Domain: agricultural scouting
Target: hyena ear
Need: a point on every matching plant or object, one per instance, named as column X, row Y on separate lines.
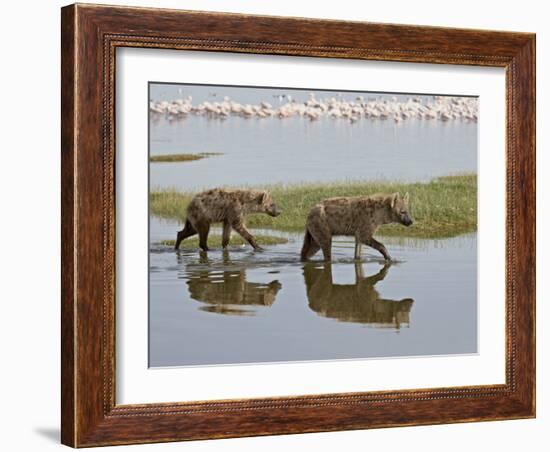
column 262, row 197
column 406, row 198
column 394, row 199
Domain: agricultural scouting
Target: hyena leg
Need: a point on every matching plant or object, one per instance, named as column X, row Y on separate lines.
column 379, row 247
column 243, row 232
column 322, row 235
column 314, row 247
column 203, row 228
column 310, row 246
column 187, row 231
column 226, row 234
column 323, row 240
column 358, row 248
column 359, row 272
column 326, row 246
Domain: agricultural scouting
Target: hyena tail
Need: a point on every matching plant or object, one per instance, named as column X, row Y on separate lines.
column 310, row 246
column 187, row 231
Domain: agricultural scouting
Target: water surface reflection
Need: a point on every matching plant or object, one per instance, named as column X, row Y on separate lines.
column 226, row 289
column 239, row 306
column 227, row 292
column 359, row 302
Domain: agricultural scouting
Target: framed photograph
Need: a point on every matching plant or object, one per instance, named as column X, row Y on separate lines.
column 282, row 225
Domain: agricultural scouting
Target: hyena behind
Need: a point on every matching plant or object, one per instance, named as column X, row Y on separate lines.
column 358, row 216
column 228, row 207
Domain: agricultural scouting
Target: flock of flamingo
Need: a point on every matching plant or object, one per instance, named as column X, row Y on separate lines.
column 443, row 108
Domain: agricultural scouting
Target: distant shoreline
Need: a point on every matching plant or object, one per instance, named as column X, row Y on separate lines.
column 439, row 108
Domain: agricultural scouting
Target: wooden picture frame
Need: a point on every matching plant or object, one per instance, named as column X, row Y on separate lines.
column 90, row 35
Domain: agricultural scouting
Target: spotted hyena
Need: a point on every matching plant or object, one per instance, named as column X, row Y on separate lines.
column 358, row 216
column 228, row 207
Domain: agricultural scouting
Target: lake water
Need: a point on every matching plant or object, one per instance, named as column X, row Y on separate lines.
column 243, row 307
column 272, row 150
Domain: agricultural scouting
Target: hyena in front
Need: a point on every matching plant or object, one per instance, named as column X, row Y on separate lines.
column 228, row 207
column 358, row 216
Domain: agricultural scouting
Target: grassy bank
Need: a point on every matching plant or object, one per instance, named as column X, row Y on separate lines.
column 215, row 241
column 181, row 157
column 444, row 207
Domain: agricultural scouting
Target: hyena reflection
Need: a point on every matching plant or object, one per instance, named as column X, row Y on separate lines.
column 358, row 216
column 359, row 302
column 229, row 291
column 228, row 207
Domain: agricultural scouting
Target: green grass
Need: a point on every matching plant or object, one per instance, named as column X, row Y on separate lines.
column 444, row 207
column 181, row 157
column 215, row 241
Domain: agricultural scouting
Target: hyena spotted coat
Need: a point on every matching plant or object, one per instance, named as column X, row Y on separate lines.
column 358, row 216
column 228, row 207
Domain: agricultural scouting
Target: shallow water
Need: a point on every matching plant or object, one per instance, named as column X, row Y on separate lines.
column 242, row 306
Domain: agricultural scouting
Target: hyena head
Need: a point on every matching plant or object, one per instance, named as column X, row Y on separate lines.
column 400, row 209
column 266, row 204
